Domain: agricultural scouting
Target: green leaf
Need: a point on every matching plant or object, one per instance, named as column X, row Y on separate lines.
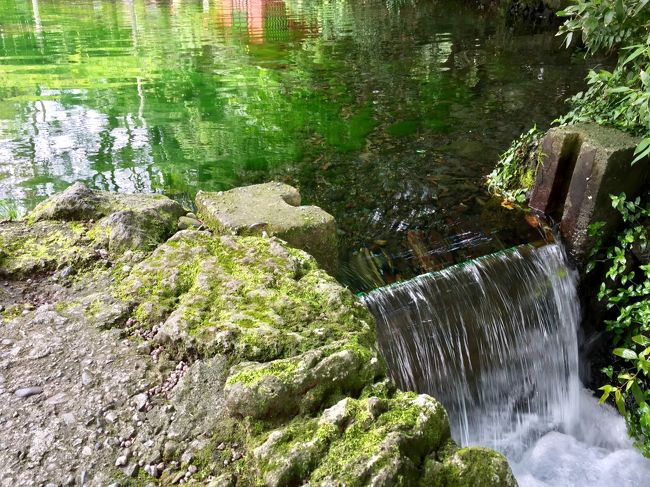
column 620, row 10
column 637, row 393
column 620, row 403
column 568, row 39
column 635, row 54
column 625, row 353
column 606, row 392
column 642, row 150
column 645, row 78
column 641, row 340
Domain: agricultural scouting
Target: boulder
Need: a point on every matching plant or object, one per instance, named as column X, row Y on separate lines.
column 582, row 165
column 272, row 208
column 299, row 384
column 77, row 203
column 44, row 246
column 370, row 441
column 475, row 466
column 125, row 221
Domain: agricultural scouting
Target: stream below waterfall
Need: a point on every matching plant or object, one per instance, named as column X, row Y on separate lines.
column 495, row 340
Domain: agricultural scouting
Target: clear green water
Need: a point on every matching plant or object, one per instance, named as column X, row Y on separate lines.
column 385, row 113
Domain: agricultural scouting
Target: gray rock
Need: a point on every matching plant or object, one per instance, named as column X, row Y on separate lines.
column 125, row 221
column 272, row 209
column 132, row 470
column 185, row 222
column 140, row 401
column 78, row 202
column 29, row 391
column 285, row 387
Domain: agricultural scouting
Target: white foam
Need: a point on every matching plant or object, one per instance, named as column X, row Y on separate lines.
column 596, row 452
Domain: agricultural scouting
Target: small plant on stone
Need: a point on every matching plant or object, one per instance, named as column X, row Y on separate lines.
column 514, row 174
column 8, row 210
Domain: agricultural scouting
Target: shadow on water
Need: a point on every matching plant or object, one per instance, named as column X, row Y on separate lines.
column 387, row 114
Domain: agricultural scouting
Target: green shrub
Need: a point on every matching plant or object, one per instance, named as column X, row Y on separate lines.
column 626, row 291
column 620, row 98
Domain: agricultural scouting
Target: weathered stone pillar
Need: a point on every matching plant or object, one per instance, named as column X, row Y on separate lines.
column 582, row 165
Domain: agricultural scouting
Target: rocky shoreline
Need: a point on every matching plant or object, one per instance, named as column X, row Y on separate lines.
column 142, row 347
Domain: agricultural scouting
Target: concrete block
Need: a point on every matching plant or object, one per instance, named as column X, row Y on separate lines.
column 582, row 165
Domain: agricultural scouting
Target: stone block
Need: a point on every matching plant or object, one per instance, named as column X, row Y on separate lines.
column 273, row 208
column 583, row 164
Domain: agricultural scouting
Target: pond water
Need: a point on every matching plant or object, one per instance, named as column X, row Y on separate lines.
column 387, row 113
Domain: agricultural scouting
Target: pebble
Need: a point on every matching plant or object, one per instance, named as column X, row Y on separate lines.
column 151, row 470
column 121, row 461
column 7, row 341
column 185, row 222
column 67, row 271
column 132, row 470
column 59, row 398
column 86, row 378
column 140, row 401
column 29, row 391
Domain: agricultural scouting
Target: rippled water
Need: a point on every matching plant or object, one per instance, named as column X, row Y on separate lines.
column 387, row 113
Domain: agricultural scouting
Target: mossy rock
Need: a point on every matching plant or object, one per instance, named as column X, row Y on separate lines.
column 124, row 221
column 26, row 250
column 471, row 466
column 272, row 209
column 372, row 441
column 303, row 384
column 249, row 297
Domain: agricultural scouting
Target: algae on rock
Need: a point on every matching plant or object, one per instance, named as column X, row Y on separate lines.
column 262, row 369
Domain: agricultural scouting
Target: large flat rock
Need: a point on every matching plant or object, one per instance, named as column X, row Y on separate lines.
column 272, row 208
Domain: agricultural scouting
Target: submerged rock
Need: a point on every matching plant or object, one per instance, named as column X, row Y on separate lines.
column 274, row 209
column 214, row 359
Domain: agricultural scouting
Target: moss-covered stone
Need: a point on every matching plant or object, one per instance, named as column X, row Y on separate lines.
column 248, row 297
column 268, row 368
column 44, row 246
column 272, row 208
column 478, row 467
column 356, row 443
column 301, row 384
column 125, row 221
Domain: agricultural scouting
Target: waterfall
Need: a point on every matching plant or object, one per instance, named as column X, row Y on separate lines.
column 494, row 339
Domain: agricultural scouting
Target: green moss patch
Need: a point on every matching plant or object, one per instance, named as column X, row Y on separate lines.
column 43, row 246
